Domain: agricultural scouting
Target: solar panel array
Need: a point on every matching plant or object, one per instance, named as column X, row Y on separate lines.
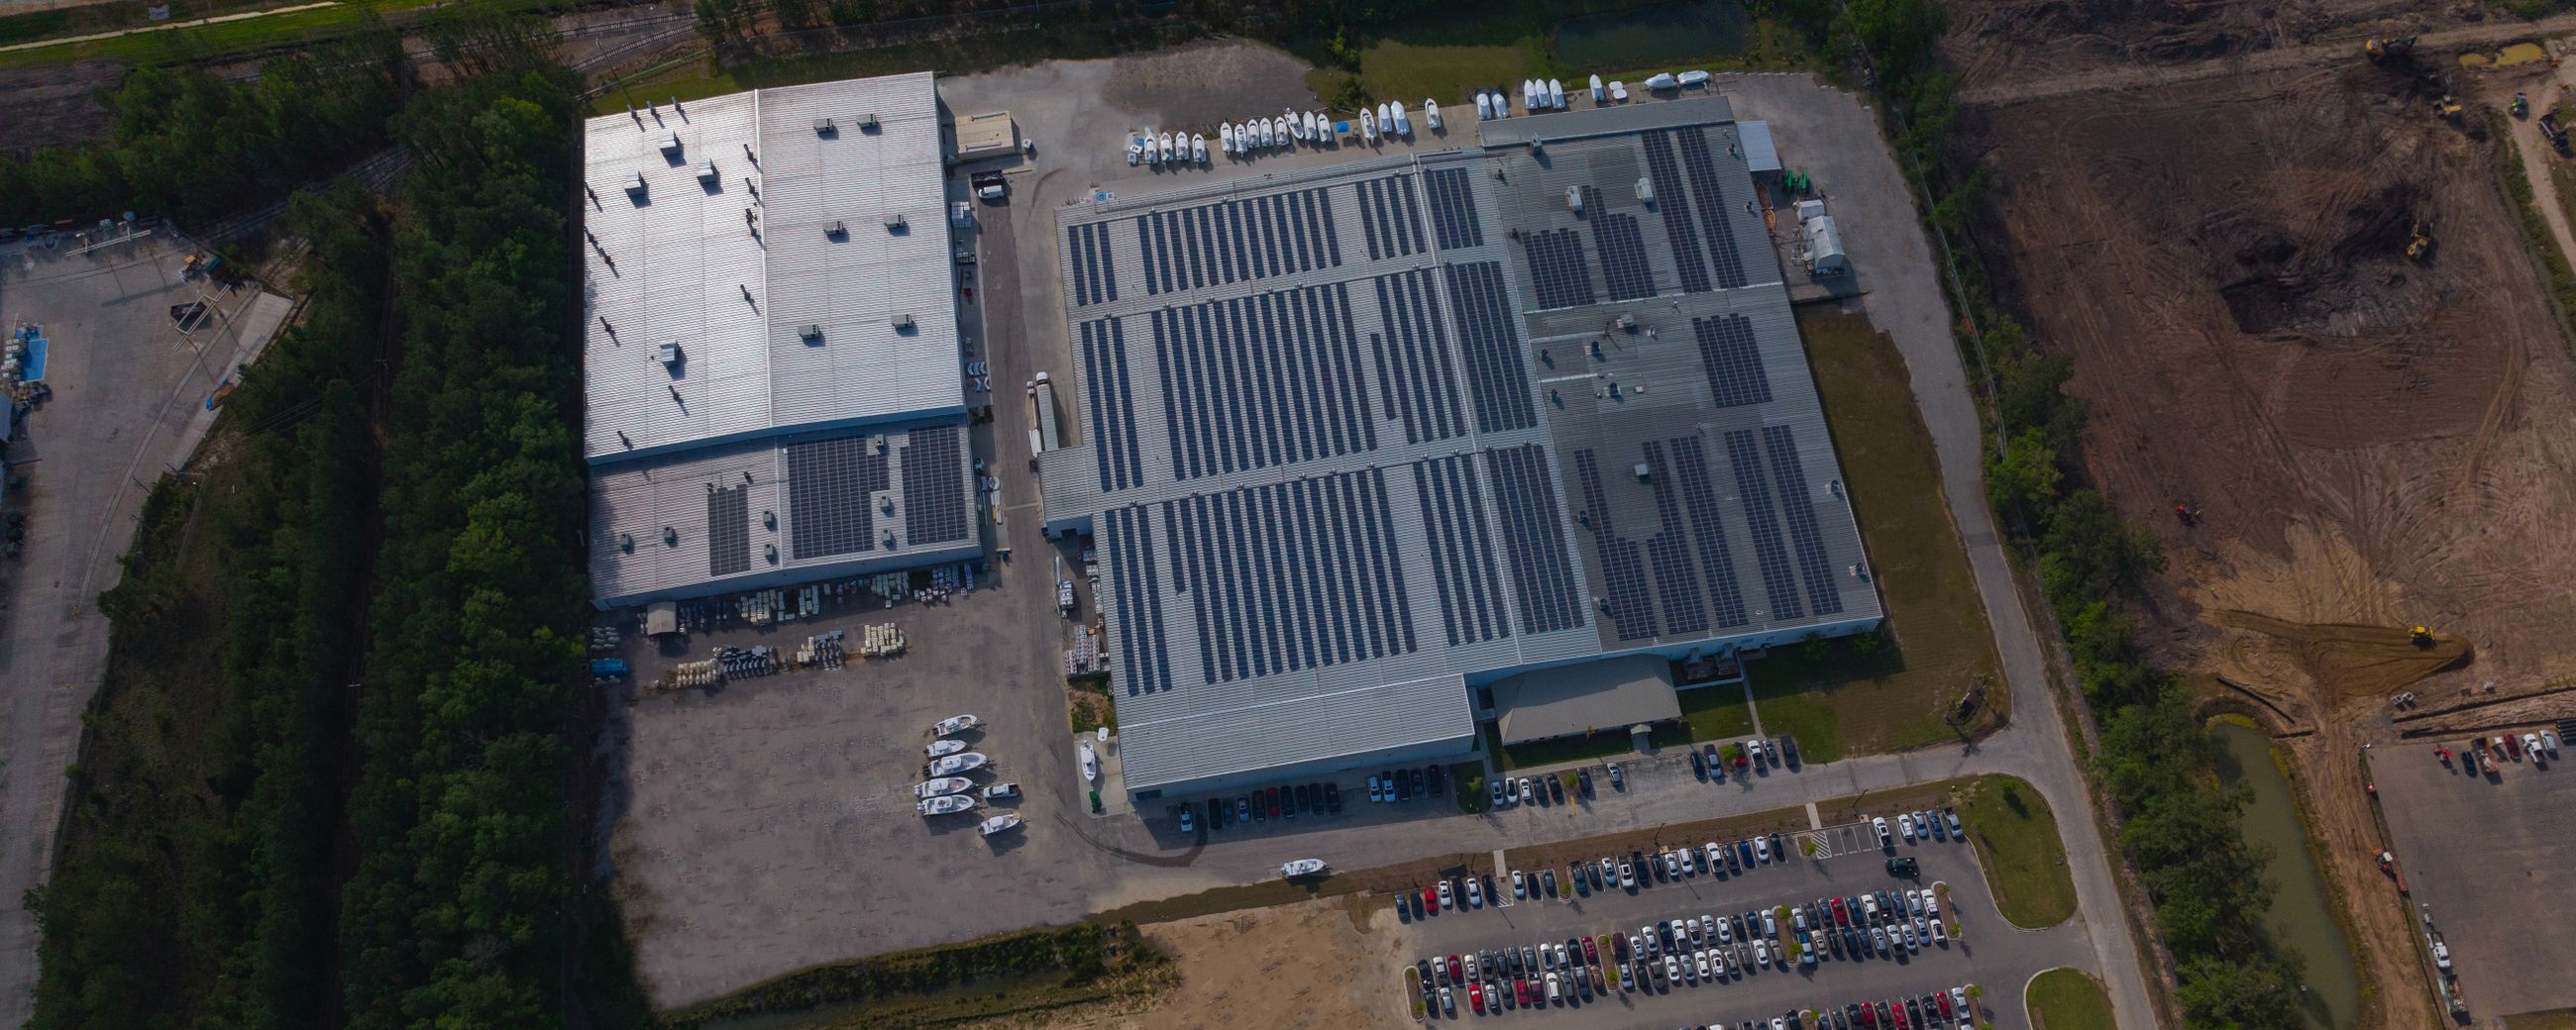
column 1623, row 566
column 1453, row 209
column 1708, row 530
column 934, row 488
column 1763, row 517
column 1732, row 361
column 1675, row 205
column 1804, row 536
column 728, row 530
column 1293, row 576
column 1237, row 240
column 1668, row 554
column 1711, row 202
column 1390, row 216
column 1481, row 308
column 1623, row 250
column 1252, row 382
column 1462, row 550
column 1413, row 369
column 1113, row 404
column 1095, row 280
column 1144, row 659
column 1534, row 537
column 1557, row 268
column 829, row 487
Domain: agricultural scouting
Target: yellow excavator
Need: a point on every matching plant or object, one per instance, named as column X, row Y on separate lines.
column 2423, row 636
column 2381, row 48
column 2419, row 247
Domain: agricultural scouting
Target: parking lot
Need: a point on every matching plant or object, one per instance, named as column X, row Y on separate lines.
column 2481, row 853
column 1986, row 951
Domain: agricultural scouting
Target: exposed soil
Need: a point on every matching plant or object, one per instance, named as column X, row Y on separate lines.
column 1309, row 966
column 2373, row 443
column 54, row 104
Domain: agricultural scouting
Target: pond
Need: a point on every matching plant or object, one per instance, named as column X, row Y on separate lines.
column 2301, row 915
column 1650, row 36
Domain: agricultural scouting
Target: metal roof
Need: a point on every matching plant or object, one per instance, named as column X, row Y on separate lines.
column 835, row 503
column 1610, row 694
column 678, row 261
column 1347, row 432
column 1760, row 155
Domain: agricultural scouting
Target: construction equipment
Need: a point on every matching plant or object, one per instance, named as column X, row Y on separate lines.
column 2448, row 108
column 2419, row 246
column 2381, row 48
column 2422, row 636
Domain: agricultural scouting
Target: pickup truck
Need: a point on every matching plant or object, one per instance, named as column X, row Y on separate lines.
column 989, row 186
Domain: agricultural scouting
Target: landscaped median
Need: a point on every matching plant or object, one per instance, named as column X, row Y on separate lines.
column 2016, row 839
column 2068, row 999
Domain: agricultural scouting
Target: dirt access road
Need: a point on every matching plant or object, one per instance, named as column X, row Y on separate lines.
column 2209, row 213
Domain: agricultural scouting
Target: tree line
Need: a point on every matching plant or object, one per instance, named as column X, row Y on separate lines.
column 374, row 828
column 2179, row 825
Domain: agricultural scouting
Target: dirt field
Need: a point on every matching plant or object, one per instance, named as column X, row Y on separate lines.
column 1295, row 967
column 2373, row 443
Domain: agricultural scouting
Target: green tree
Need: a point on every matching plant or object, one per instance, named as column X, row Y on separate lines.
column 2021, row 480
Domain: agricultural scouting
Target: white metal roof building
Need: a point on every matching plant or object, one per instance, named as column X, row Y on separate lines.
column 1361, row 437
column 769, row 272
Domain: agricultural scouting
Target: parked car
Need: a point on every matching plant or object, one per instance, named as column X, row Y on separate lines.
column 1332, row 797
column 1885, row 839
column 1475, row 895
column 1501, row 798
column 1547, row 878
column 1699, row 766
column 1616, row 782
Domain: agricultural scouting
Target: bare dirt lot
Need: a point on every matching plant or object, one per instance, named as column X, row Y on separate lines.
column 1295, row 967
column 2373, row 443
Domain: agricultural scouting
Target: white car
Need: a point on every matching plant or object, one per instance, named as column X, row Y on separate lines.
column 1475, row 894
column 1770, row 926
column 1672, row 968
column 1627, row 875
column 1956, row 832
column 1520, row 887
column 1879, row 823
column 1609, row 869
column 999, row 791
column 1931, row 903
column 1762, row 849
column 2531, row 745
column 1761, row 953
column 1869, row 905
column 2548, row 742
column 1700, row 959
column 1911, row 943
column 1554, row 990
column 1716, row 857
column 1914, row 901
column 1724, row 935
column 1940, row 933
column 1446, row 900
column 1690, row 862
column 1526, row 793
column 1672, row 866
column 1905, row 826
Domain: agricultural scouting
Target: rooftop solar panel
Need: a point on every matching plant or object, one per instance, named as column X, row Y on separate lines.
column 1711, row 202
column 1805, row 538
column 728, row 530
column 1543, row 578
column 1414, row 370
column 1295, row 575
column 1674, row 203
column 934, row 488
column 1731, row 360
column 830, row 489
column 1093, row 280
column 1481, row 306
column 1144, row 658
column 1668, row 553
column 1462, row 550
column 1112, row 400
column 1224, row 242
column 1261, row 381
column 1708, row 530
column 1390, row 216
column 1453, row 209
column 1623, row 251
column 1762, row 517
column 1623, row 569
column 1557, row 268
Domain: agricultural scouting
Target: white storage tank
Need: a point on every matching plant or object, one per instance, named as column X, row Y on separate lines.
column 1825, row 248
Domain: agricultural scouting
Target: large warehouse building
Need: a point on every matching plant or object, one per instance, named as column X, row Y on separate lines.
column 772, row 364
column 1363, row 437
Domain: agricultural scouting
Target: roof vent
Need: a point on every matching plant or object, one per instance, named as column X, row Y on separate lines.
column 903, row 323
column 824, row 127
column 626, row 542
column 895, row 222
column 1644, row 472
column 835, row 230
column 668, row 353
column 770, row 551
column 868, row 122
column 707, row 171
column 1646, row 190
column 811, row 334
column 1574, row 200
column 670, row 537
column 671, row 143
column 635, row 182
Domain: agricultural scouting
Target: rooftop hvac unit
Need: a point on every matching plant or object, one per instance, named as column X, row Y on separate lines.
column 903, row 323
column 671, row 143
column 868, row 122
column 811, row 333
column 770, row 551
column 707, row 171
column 670, row 536
column 1644, row 472
column 895, row 223
column 835, row 230
column 626, row 542
column 824, row 127
column 1574, row 200
column 1646, row 191
column 889, row 539
column 1626, row 322
column 634, row 182
column 769, row 518
column 668, row 353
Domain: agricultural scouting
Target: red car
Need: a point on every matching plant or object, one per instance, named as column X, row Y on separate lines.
column 1945, row 1003
column 1476, row 998
column 1841, row 917
column 1591, row 953
column 1898, row 1014
column 1431, row 904
column 1273, row 795
column 1457, row 973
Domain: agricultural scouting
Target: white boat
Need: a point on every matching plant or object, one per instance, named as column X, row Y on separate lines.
column 1242, row 137
column 1167, row 146
column 1296, row 130
column 1484, row 106
column 1555, row 93
column 1694, row 77
column 1502, row 104
column 1134, row 153
column 997, row 824
column 945, row 804
column 1386, row 117
column 1431, row 113
column 1368, row 123
column 1661, row 81
column 1301, row 867
column 1261, row 132
column 1619, row 92
column 1278, row 130
column 1323, row 127
column 942, row 785
column 1533, row 95
column 954, row 725
column 1198, row 148
column 1225, row 137
column 1306, row 127
column 951, row 765
column 943, row 747
column 1090, row 761
column 1403, row 125
column 998, row 791
column 1596, row 89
